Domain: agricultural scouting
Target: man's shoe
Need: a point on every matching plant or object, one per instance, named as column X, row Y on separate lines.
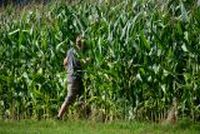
column 58, row 118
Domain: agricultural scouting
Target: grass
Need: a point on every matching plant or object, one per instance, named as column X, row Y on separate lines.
column 91, row 127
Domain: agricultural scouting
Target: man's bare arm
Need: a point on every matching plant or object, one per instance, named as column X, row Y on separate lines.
column 65, row 62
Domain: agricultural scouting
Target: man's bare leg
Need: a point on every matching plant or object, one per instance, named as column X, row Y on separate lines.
column 71, row 97
column 68, row 101
column 62, row 110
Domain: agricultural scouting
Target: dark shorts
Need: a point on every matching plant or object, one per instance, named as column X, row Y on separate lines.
column 75, row 90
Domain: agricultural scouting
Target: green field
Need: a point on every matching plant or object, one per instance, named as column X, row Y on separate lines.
column 90, row 127
column 143, row 55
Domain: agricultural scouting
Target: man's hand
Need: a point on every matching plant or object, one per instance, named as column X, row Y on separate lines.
column 86, row 60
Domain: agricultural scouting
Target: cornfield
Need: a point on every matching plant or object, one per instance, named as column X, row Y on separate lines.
column 143, row 54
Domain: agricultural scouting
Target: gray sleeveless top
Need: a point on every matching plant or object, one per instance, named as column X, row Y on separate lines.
column 74, row 69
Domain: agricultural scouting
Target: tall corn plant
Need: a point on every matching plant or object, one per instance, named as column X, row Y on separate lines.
column 142, row 55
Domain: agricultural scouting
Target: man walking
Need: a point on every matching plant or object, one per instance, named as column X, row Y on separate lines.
column 73, row 67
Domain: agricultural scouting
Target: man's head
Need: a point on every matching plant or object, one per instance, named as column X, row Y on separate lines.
column 80, row 42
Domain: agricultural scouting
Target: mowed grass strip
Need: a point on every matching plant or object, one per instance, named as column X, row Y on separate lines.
column 91, row 127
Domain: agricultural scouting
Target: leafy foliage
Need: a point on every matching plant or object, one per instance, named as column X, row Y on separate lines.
column 143, row 54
